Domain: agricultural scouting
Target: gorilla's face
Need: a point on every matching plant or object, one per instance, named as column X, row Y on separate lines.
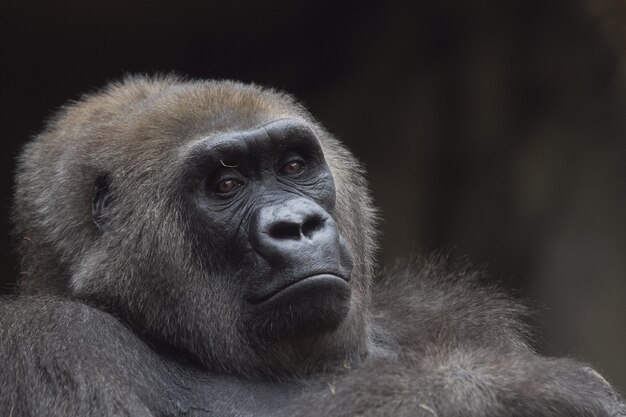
column 216, row 217
column 265, row 199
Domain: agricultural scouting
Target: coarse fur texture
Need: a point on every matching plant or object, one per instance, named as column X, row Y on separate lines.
column 206, row 248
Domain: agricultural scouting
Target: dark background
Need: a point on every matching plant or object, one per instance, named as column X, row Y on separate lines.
column 496, row 128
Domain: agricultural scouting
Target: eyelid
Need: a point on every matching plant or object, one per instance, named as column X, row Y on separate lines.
column 290, row 157
column 223, row 173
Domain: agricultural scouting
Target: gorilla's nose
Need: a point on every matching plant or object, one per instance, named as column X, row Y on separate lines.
column 296, row 225
column 296, row 229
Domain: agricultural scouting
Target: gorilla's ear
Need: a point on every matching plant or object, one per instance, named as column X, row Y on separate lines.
column 101, row 200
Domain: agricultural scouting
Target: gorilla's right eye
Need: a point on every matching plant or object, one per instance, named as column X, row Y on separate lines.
column 228, row 185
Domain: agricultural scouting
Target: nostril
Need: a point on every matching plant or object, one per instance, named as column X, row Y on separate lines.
column 312, row 225
column 285, row 230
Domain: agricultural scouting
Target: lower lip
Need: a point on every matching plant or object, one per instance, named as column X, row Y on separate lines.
column 321, row 281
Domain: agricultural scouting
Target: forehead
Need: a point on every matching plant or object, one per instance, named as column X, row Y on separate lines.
column 165, row 126
column 185, row 114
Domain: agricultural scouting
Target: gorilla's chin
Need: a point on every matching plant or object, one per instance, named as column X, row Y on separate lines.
column 316, row 304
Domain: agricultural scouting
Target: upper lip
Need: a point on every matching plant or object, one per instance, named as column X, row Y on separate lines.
column 283, row 285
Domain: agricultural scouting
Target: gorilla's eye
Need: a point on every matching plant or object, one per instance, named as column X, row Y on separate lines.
column 228, row 185
column 292, row 168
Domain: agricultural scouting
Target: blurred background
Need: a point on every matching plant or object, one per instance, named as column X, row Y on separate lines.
column 493, row 128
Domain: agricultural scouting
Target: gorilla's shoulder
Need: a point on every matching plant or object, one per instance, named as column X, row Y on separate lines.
column 438, row 298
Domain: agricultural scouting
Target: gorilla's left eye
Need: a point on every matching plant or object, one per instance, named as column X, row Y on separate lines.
column 292, row 168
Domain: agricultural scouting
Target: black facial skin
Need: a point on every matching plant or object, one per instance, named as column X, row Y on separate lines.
column 206, row 248
column 270, row 197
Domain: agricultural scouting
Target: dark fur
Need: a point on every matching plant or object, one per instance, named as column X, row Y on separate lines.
column 132, row 315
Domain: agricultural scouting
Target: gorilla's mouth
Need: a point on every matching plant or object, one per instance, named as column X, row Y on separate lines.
column 316, row 282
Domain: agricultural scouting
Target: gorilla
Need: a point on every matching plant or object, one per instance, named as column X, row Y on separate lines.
column 206, row 248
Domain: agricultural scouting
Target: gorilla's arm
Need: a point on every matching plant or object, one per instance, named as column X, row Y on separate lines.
column 452, row 347
column 463, row 382
column 61, row 358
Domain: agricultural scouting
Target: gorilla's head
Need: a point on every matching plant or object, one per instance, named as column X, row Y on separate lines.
column 216, row 217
